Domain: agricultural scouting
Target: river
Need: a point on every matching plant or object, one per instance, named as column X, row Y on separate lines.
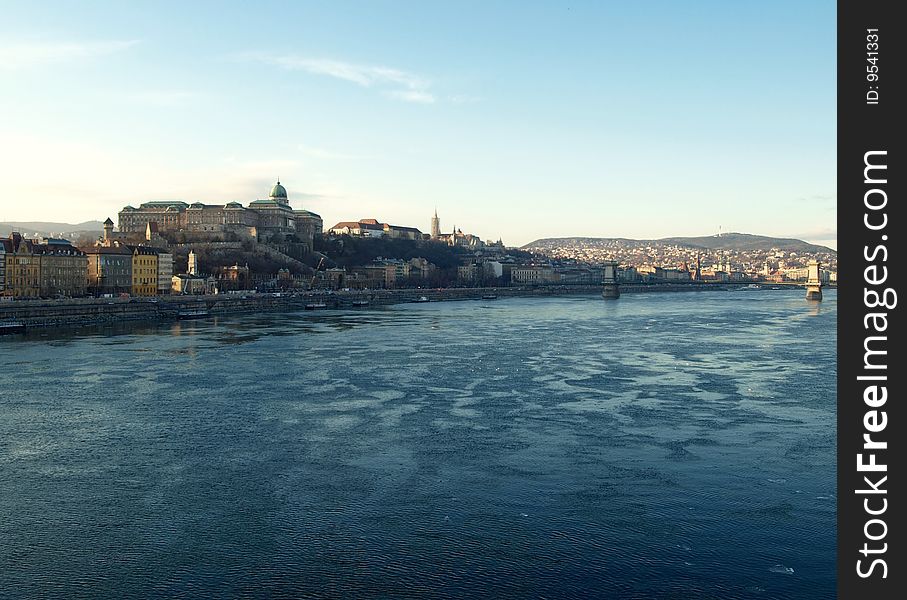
column 658, row 446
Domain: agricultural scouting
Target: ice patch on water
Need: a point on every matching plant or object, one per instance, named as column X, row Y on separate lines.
column 779, row 568
column 341, row 422
column 466, row 413
column 387, row 395
column 683, row 547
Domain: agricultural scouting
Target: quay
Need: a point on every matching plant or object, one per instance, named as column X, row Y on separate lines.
column 29, row 314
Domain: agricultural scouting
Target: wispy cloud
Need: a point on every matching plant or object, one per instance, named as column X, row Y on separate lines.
column 25, row 54
column 411, row 96
column 394, row 83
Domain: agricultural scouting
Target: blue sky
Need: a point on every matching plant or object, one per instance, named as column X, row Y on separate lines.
column 517, row 120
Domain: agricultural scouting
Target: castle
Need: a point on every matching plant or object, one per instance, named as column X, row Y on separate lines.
column 262, row 219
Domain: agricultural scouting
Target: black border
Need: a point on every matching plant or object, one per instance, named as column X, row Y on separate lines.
column 864, row 127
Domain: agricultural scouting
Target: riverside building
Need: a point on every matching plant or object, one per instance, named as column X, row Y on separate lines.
column 109, row 270
column 23, row 267
column 64, row 269
column 32, row 269
column 144, row 271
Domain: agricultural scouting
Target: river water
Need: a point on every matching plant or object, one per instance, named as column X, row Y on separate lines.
column 676, row 445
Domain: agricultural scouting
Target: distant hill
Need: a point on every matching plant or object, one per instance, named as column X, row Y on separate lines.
column 49, row 229
column 746, row 241
column 727, row 241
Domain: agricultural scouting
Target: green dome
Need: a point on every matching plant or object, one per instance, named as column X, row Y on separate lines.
column 278, row 191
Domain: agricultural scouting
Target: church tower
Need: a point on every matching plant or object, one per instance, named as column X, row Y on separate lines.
column 435, row 226
column 108, row 232
column 193, row 263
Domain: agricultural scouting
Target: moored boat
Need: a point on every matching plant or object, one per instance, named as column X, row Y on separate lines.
column 193, row 313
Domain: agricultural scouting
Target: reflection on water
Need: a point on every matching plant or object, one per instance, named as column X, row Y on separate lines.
column 665, row 445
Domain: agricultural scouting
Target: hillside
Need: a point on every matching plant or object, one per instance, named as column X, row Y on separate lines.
column 348, row 251
column 49, row 229
column 743, row 242
column 746, row 241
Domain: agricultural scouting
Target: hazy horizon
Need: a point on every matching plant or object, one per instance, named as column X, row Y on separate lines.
column 513, row 120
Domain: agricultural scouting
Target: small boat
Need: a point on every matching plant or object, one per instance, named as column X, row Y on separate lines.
column 421, row 299
column 315, row 306
column 193, row 313
column 11, row 327
column 360, row 302
column 489, row 296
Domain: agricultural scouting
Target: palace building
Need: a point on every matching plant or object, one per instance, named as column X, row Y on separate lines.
column 262, row 219
column 374, row 228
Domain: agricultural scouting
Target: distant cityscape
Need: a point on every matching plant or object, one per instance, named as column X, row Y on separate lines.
column 174, row 247
column 727, row 257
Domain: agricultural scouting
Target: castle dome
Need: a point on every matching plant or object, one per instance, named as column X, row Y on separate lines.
column 278, row 192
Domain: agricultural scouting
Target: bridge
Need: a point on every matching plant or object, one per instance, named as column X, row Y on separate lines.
column 610, row 286
column 813, row 282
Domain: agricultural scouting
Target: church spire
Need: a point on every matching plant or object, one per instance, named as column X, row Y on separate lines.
column 435, row 226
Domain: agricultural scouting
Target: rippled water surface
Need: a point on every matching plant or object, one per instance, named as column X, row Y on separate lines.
column 659, row 446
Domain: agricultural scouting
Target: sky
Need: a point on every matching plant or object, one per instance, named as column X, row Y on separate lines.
column 516, row 120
